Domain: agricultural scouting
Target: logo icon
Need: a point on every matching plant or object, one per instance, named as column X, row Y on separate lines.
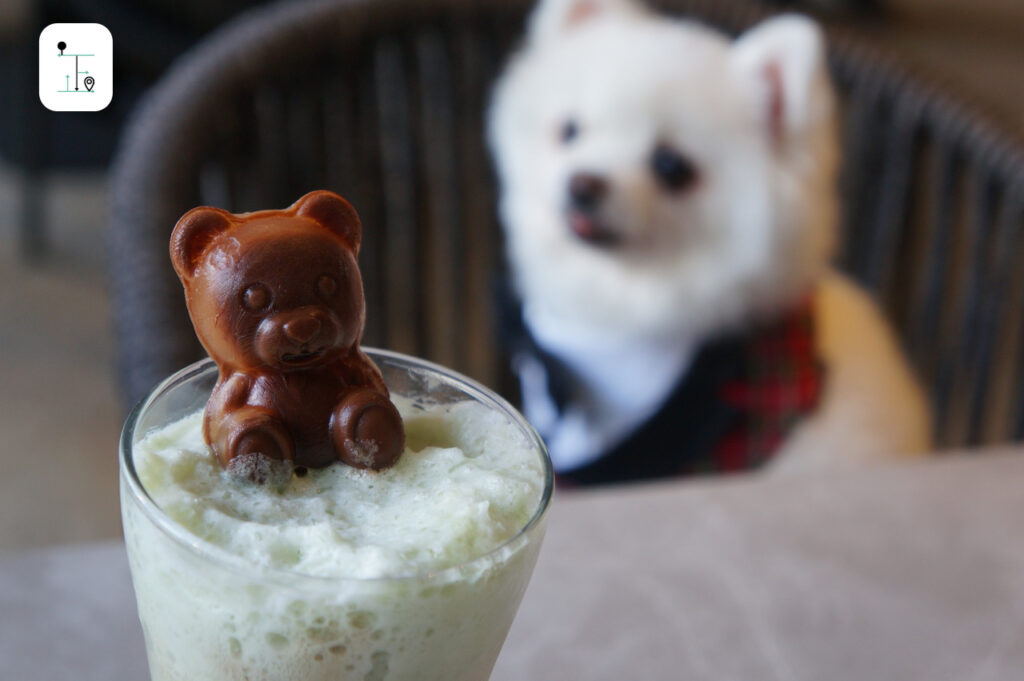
column 76, row 67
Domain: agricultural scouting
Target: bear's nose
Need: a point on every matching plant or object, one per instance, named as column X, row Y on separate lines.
column 303, row 329
column 586, row 190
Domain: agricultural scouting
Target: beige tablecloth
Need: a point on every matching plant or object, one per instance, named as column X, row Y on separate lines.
column 909, row 572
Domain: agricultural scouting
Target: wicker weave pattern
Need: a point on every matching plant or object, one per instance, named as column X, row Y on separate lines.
column 383, row 102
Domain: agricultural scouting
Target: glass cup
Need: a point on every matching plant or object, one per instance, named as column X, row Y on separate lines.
column 209, row 615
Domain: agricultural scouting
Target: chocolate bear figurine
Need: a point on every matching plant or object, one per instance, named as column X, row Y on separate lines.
column 277, row 301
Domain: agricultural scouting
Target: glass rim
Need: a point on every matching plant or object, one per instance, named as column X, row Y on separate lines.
column 219, row 555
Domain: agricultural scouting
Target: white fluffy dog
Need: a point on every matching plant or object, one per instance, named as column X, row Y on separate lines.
column 663, row 187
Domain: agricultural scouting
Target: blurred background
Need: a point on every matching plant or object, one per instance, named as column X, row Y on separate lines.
column 62, row 402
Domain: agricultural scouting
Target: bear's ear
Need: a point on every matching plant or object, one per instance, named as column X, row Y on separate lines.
column 552, row 18
column 193, row 233
column 780, row 66
column 334, row 213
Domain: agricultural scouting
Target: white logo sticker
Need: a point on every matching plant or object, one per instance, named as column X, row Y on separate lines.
column 76, row 67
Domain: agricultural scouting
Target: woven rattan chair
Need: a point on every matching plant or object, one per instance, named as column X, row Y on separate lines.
column 384, row 103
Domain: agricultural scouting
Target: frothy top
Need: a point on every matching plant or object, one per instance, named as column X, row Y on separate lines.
column 468, row 481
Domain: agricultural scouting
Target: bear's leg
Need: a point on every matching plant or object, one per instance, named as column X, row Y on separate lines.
column 257, row 446
column 367, row 430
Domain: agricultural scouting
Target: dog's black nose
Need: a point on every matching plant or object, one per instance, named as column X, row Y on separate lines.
column 586, row 190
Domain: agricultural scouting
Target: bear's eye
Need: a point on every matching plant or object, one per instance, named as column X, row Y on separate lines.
column 256, row 297
column 569, row 131
column 672, row 169
column 327, row 285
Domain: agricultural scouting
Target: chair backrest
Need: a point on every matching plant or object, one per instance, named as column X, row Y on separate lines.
column 384, row 102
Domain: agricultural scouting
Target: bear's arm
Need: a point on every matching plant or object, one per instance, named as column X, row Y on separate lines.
column 240, row 421
column 226, row 399
column 229, row 395
column 359, row 370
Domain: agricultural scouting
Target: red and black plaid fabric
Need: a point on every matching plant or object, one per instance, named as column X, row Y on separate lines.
column 782, row 383
column 737, row 401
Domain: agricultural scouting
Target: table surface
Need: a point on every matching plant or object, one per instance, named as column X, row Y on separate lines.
column 905, row 571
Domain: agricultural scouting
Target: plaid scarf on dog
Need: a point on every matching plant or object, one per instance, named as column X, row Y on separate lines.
column 781, row 382
column 738, row 401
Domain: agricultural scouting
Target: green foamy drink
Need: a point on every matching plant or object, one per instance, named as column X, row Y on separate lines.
column 411, row 573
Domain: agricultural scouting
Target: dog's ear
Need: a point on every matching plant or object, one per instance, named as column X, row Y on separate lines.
column 781, row 66
column 551, row 18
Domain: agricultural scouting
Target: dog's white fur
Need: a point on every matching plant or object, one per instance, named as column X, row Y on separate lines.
column 745, row 243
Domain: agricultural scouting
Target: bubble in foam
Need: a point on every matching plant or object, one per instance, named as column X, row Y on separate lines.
column 361, row 619
column 276, row 640
column 378, row 666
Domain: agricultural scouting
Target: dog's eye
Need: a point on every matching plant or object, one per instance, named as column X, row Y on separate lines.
column 256, row 297
column 569, row 131
column 671, row 168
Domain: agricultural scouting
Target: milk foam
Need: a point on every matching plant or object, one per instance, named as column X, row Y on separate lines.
column 467, row 482
column 459, row 498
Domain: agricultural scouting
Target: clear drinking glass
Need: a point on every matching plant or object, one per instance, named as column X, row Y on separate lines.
column 209, row 615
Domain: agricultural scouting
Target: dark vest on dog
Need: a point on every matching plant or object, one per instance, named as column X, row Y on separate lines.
column 730, row 410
